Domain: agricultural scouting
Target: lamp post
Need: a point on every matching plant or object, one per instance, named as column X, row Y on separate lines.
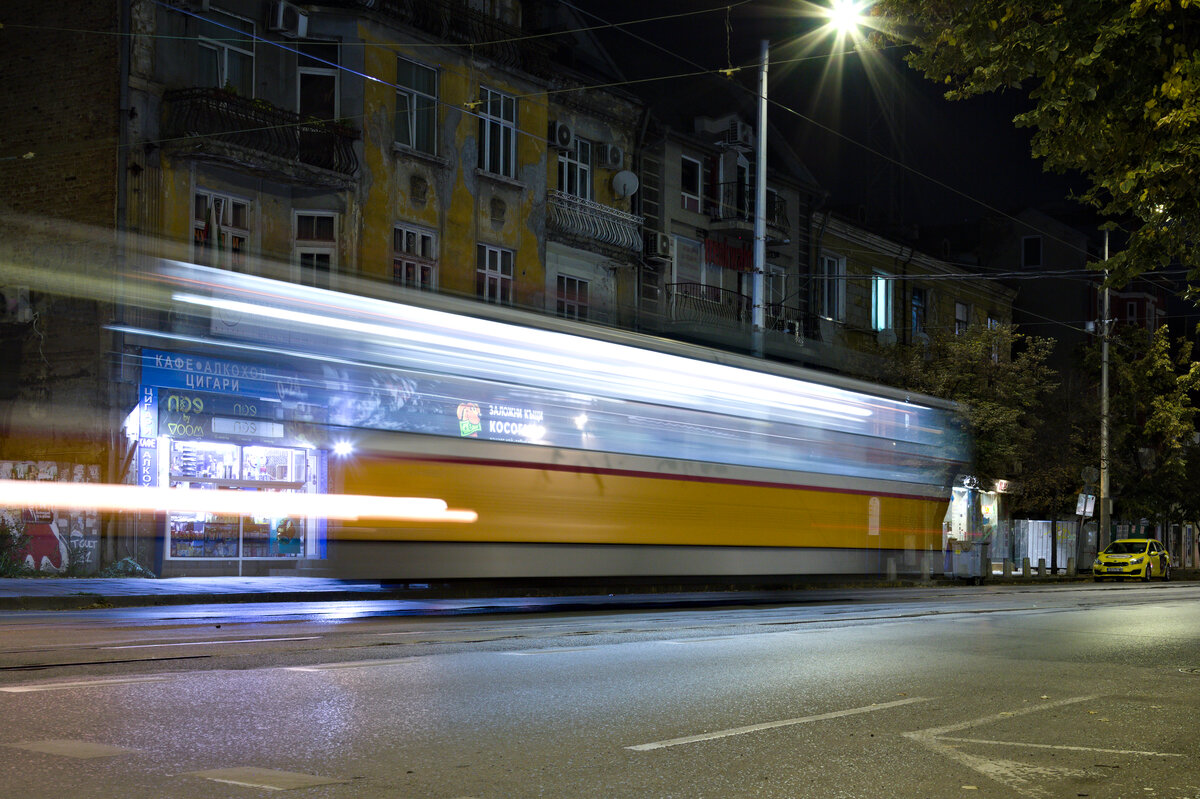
column 757, row 312
column 842, row 16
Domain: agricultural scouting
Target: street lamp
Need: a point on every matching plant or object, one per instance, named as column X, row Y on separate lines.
column 842, row 17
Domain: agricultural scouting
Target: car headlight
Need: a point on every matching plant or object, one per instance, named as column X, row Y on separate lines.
column 1135, row 560
column 1096, row 564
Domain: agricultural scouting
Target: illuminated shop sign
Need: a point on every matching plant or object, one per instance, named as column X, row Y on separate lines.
column 200, row 373
column 511, row 423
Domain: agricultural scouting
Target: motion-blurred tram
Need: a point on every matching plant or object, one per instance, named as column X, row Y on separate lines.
column 606, row 455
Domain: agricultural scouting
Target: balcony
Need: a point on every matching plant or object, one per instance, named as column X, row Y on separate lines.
column 224, row 126
column 733, row 210
column 592, row 222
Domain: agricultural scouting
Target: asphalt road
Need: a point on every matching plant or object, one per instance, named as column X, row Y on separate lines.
column 1004, row 691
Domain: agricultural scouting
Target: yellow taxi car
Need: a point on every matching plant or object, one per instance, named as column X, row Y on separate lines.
column 1132, row 557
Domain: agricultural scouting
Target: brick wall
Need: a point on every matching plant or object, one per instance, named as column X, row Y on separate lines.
column 60, row 72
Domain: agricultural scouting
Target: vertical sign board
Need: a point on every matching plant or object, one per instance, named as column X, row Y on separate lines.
column 147, row 468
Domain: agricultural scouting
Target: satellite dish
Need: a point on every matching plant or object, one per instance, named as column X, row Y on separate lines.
column 624, row 183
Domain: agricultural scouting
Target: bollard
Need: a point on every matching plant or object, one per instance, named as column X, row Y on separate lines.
column 1041, row 567
column 926, row 569
column 1007, row 567
column 891, row 570
column 1025, row 568
column 1070, row 567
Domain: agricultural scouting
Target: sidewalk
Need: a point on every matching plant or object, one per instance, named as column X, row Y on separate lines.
column 62, row 593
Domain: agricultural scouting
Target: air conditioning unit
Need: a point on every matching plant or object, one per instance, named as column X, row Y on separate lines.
column 561, row 136
column 739, row 134
column 288, row 20
column 659, row 245
column 610, row 156
column 14, row 305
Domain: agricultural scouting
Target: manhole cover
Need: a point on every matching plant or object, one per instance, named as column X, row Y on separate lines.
column 1194, row 670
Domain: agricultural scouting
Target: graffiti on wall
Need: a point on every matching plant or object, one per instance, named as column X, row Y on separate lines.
column 57, row 539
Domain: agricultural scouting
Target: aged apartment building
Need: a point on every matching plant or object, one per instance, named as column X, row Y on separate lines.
column 413, row 150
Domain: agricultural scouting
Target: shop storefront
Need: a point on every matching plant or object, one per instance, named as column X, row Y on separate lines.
column 212, row 424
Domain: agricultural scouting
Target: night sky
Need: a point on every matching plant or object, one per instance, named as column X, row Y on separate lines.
column 970, row 146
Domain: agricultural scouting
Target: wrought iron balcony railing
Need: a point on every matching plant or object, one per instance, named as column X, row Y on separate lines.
column 735, row 203
column 215, row 115
column 574, row 216
column 707, row 305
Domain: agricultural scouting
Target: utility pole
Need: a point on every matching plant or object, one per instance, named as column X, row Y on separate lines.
column 757, row 315
column 1103, row 523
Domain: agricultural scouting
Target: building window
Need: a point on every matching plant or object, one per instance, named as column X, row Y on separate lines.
column 575, row 170
column 689, row 184
column 416, row 106
column 494, row 274
column 962, row 317
column 316, row 81
column 881, row 301
column 831, row 287
column 414, row 257
column 497, row 132
column 1131, row 314
column 316, row 247
column 220, row 230
column 227, row 52
column 920, row 302
column 1031, row 251
column 572, row 297
column 994, row 324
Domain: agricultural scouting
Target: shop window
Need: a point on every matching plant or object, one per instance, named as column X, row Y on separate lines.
column 224, row 466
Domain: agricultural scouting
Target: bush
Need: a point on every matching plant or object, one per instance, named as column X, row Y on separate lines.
column 13, row 544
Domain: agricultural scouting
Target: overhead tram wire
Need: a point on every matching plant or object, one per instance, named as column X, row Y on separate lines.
column 469, row 109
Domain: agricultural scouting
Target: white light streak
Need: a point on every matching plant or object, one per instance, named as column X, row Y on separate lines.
column 274, row 504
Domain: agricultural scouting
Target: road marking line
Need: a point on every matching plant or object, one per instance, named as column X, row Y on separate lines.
column 684, row 641
column 209, row 643
column 271, row 779
column 773, row 724
column 57, row 686
column 84, row 750
column 350, row 664
column 1061, row 746
column 530, row 652
column 937, row 732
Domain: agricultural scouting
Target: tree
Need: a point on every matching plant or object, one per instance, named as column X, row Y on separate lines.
column 1154, row 452
column 1000, row 379
column 1115, row 92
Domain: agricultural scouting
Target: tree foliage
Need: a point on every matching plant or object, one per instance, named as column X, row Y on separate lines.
column 1001, row 395
column 1114, row 87
column 1153, row 453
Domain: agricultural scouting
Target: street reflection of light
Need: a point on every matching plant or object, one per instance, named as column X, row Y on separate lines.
column 343, row 448
column 581, row 421
column 275, row 504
